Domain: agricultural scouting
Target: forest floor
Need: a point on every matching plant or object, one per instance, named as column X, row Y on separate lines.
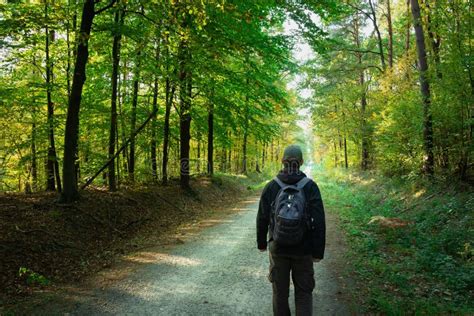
column 43, row 244
column 207, row 265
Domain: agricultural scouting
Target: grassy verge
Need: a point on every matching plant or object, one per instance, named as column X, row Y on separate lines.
column 425, row 267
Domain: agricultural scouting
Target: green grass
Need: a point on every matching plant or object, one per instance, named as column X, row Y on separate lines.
column 253, row 181
column 424, row 268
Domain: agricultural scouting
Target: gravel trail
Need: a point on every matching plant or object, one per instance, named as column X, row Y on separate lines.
column 220, row 272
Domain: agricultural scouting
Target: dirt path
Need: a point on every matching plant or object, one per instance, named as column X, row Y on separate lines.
column 216, row 272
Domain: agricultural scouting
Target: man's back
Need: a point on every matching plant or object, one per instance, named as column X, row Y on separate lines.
column 297, row 258
column 314, row 240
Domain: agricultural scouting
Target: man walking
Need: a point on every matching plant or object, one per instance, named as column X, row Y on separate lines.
column 291, row 212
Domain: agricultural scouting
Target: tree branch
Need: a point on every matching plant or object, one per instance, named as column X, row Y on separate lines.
column 144, row 16
column 361, row 11
column 358, row 51
column 111, row 4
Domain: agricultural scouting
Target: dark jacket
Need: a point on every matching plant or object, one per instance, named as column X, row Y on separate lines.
column 314, row 241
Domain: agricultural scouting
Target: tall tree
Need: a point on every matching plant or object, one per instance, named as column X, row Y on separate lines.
column 52, row 163
column 428, row 160
column 210, row 138
column 70, row 192
column 154, row 164
column 185, row 91
column 390, row 34
column 118, row 23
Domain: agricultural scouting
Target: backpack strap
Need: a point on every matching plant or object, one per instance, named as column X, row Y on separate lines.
column 300, row 184
column 280, row 183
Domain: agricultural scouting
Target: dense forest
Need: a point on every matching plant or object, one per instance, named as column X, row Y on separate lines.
column 141, row 91
column 394, row 89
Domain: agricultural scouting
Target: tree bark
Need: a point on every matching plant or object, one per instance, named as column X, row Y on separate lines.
column 121, row 101
column 210, row 139
column 390, row 34
column 118, row 22
column 246, row 130
column 185, row 89
column 379, row 36
column 408, row 28
column 34, row 163
column 68, row 43
column 53, row 177
column 428, row 160
column 70, row 192
column 166, row 129
column 363, row 101
column 257, row 167
column 346, row 160
column 244, row 153
column 154, row 164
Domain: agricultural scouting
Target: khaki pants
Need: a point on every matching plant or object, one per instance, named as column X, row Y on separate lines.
column 302, row 273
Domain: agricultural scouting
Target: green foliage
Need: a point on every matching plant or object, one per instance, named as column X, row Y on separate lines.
column 239, row 59
column 392, row 120
column 31, row 277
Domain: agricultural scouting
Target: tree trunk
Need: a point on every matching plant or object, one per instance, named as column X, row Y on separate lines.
column 390, row 34
column 428, row 161
column 185, row 89
column 210, row 139
column 154, row 123
column 244, row 153
column 122, row 101
column 246, row 131
column 257, row 167
column 407, row 37
column 363, row 109
column 118, row 20
column 379, row 36
column 70, row 192
column 53, row 177
column 166, row 129
column 346, row 162
column 124, row 145
column 435, row 41
column 133, row 120
column 363, row 101
column 68, row 43
column 34, row 163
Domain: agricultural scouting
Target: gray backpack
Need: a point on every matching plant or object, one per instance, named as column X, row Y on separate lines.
column 289, row 218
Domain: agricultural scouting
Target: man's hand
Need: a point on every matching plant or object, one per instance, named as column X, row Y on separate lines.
column 316, row 260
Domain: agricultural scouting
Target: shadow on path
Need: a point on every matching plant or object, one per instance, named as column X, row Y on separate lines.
column 218, row 272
